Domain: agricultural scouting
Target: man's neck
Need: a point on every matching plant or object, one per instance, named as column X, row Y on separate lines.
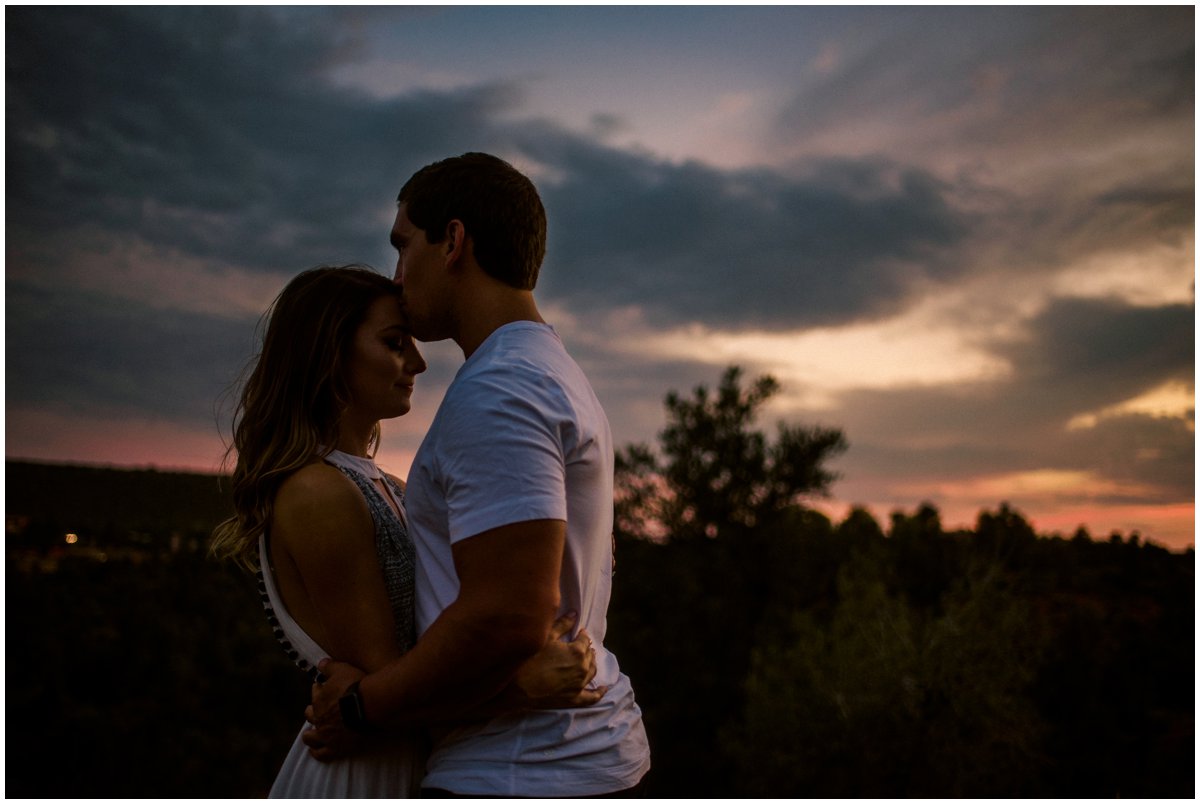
column 483, row 313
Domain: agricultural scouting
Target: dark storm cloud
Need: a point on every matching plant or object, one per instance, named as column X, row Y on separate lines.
column 1100, row 352
column 214, row 131
column 1045, row 231
column 1155, row 455
column 997, row 74
column 1079, row 357
column 73, row 353
column 693, row 243
column 1158, row 211
column 211, row 130
column 1070, row 128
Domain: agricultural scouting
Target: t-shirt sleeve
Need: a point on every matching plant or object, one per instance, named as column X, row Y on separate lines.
column 502, row 459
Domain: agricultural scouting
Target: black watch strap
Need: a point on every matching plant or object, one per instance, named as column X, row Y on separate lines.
column 354, row 714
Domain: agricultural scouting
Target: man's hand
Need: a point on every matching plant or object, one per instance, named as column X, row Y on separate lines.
column 329, row 738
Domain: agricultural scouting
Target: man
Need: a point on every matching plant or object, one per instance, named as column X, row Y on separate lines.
column 510, row 506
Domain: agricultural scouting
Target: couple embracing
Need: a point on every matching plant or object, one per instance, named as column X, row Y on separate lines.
column 466, row 610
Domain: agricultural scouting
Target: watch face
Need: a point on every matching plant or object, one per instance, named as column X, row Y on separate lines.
column 353, row 715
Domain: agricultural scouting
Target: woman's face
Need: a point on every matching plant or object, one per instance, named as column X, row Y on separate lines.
column 384, row 362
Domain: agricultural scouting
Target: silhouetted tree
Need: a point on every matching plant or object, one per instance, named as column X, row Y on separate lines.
column 725, row 499
column 859, row 529
column 718, row 475
column 1006, row 534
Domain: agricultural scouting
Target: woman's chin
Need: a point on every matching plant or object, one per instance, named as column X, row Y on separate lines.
column 398, row 411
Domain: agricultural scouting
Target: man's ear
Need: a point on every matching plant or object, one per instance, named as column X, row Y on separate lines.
column 455, row 244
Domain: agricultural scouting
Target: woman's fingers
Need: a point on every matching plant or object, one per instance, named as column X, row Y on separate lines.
column 563, row 625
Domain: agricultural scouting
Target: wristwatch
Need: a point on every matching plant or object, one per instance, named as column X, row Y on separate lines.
column 354, row 714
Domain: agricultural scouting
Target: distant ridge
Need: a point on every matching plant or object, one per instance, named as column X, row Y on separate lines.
column 104, row 498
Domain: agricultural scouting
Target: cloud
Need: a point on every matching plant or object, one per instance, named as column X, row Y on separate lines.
column 905, row 351
column 1147, row 274
column 77, row 352
column 1173, row 400
column 1137, row 449
column 1076, row 357
column 205, row 148
column 213, row 131
column 756, row 248
column 1008, row 81
column 1094, row 353
column 121, row 267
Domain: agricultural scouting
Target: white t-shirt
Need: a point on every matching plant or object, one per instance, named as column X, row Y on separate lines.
column 521, row 436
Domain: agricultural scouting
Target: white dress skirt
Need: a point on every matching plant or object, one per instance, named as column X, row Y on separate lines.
column 391, row 767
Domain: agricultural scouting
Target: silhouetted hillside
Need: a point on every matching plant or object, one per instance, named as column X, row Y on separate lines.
column 148, row 670
column 109, row 507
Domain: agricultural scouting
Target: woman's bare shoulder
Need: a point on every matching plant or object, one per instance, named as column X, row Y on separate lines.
column 313, row 475
column 317, row 493
column 398, row 481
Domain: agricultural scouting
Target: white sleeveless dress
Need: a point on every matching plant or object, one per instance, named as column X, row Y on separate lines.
column 393, row 766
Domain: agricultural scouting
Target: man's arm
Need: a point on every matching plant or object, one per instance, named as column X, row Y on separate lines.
column 507, row 601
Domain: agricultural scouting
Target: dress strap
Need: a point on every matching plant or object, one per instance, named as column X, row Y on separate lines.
column 299, row 646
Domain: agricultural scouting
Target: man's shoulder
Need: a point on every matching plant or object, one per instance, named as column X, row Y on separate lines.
column 509, row 372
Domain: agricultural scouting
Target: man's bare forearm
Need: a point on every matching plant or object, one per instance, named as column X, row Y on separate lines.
column 507, row 600
column 462, row 661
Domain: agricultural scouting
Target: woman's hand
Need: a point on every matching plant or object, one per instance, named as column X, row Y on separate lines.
column 558, row 675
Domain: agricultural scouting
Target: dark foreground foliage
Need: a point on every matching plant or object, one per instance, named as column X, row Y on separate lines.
column 830, row 661
column 778, row 654
column 774, row 652
column 156, row 678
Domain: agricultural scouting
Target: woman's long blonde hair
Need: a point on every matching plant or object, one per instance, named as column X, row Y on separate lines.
column 290, row 407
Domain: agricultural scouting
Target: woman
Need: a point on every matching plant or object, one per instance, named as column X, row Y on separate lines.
column 326, row 528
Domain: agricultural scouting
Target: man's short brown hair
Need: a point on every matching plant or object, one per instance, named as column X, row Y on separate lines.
column 498, row 205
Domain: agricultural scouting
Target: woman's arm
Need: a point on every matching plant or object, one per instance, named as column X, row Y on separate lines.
column 323, row 547
column 556, row 676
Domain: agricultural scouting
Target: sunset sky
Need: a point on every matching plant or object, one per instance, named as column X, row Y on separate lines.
column 965, row 236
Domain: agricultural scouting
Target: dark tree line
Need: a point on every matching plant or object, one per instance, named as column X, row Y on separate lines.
column 778, row 654
column 774, row 652
column 150, row 679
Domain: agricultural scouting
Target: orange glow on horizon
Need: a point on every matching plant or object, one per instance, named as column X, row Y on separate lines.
column 111, row 441
column 1171, row 525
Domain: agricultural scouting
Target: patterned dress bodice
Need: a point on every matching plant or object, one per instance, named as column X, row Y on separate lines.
column 397, row 555
column 397, row 560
